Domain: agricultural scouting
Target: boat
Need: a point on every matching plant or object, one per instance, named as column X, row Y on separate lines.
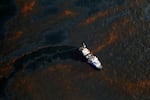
column 91, row 59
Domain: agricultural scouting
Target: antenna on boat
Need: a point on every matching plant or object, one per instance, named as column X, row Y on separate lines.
column 84, row 45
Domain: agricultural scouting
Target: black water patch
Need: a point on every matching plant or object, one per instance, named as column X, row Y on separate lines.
column 98, row 3
column 2, row 87
column 86, row 3
column 51, row 10
column 7, row 11
column 55, row 37
column 93, row 11
column 48, row 11
column 50, row 2
column 46, row 2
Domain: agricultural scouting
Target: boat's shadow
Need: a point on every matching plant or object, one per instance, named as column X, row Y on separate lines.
column 47, row 55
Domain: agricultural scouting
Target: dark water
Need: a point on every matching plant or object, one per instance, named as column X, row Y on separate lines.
column 39, row 56
column 7, row 11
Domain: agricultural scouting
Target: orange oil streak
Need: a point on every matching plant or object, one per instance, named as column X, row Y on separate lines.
column 5, row 70
column 27, row 8
column 16, row 35
column 117, row 27
column 92, row 19
column 69, row 13
column 111, row 39
column 111, row 11
column 139, row 87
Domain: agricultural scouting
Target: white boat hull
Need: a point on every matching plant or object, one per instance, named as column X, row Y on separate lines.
column 93, row 60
